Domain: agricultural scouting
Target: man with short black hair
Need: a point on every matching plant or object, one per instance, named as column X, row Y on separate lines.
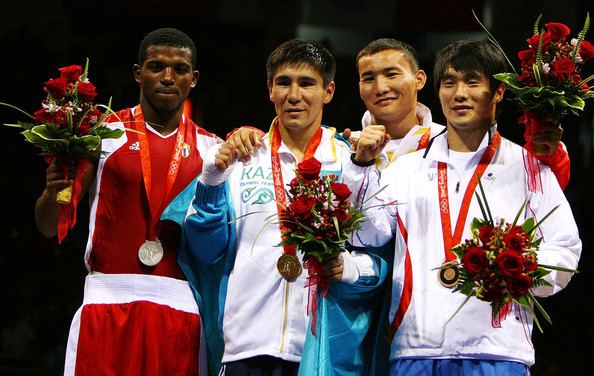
column 139, row 316
column 264, row 322
column 389, row 80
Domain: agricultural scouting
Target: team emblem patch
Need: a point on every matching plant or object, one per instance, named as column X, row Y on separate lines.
column 185, row 151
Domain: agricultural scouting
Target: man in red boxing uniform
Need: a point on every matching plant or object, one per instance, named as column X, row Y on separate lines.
column 139, row 316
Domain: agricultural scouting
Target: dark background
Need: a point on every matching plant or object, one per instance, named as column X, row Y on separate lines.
column 41, row 283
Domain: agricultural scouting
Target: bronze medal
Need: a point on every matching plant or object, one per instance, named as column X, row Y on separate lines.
column 449, row 275
column 289, row 267
column 150, row 252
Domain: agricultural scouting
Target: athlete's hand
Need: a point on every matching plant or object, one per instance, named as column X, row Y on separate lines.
column 332, row 267
column 352, row 137
column 54, row 180
column 371, row 143
column 546, row 142
column 244, row 142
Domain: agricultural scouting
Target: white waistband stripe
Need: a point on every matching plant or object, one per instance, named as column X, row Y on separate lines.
column 126, row 288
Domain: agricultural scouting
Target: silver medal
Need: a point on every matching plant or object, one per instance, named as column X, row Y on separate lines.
column 150, row 252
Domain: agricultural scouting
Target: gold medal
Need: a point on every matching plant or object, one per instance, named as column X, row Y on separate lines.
column 449, row 275
column 150, row 252
column 289, row 267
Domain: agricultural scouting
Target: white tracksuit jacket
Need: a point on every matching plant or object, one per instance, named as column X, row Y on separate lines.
column 412, row 180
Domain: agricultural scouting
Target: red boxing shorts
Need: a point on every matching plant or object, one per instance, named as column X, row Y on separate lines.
column 135, row 324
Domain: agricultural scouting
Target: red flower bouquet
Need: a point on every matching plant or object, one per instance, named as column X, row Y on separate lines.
column 317, row 220
column 319, row 217
column 499, row 264
column 550, row 84
column 69, row 126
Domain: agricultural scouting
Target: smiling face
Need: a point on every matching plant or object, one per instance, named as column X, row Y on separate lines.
column 299, row 96
column 468, row 103
column 388, row 84
column 165, row 78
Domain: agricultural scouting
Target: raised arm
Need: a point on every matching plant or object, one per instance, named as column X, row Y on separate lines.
column 207, row 229
column 549, row 149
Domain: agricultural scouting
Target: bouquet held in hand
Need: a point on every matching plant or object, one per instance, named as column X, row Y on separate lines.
column 317, row 220
column 550, row 84
column 499, row 263
column 69, row 127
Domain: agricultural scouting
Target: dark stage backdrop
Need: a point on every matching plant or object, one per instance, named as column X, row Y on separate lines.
column 41, row 283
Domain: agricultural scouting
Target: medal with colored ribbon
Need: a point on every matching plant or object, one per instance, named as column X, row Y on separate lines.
column 449, row 273
column 288, row 264
column 150, row 252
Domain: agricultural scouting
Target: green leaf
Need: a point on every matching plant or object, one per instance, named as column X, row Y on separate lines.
column 511, row 80
column 528, row 224
column 529, row 306
column 520, row 212
column 475, row 225
column 536, row 26
column 541, row 221
column 31, row 137
column 85, row 73
column 459, row 308
column 90, row 142
column 586, row 80
column 16, row 126
column 16, row 108
column 559, row 268
column 542, row 311
column 44, row 132
column 574, row 101
column 484, row 199
column 581, row 36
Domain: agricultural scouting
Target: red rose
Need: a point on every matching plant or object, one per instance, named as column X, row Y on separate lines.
column 86, row 91
column 527, row 78
column 302, row 206
column 71, row 73
column 557, row 30
column 485, row 233
column 586, row 50
column 527, row 56
column 515, row 238
column 341, row 191
column 510, row 263
column 493, row 295
column 56, row 87
column 43, row 116
column 475, row 260
column 83, row 129
column 93, row 116
column 342, row 215
column 519, row 285
column 563, row 68
column 534, row 40
column 309, row 169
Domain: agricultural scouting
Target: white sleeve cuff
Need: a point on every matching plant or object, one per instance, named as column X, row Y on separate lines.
column 350, row 272
column 210, row 173
column 357, row 265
